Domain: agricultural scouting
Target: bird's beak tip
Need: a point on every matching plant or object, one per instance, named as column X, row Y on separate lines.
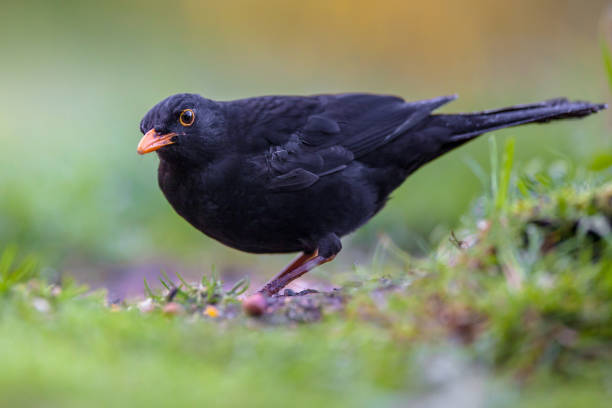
column 153, row 141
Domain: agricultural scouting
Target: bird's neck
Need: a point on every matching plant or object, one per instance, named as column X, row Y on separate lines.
column 177, row 181
column 179, row 162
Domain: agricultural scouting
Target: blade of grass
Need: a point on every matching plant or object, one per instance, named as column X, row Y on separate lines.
column 239, row 287
column 166, row 285
column 6, row 260
column 166, row 277
column 180, row 277
column 494, row 165
column 501, row 200
column 477, row 170
column 12, row 273
column 148, row 291
column 606, row 50
column 24, row 270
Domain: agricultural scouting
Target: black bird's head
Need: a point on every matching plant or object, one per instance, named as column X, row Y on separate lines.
column 183, row 127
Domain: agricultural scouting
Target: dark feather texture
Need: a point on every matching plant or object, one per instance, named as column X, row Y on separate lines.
column 291, row 173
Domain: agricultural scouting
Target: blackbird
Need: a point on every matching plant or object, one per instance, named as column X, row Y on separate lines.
column 279, row 174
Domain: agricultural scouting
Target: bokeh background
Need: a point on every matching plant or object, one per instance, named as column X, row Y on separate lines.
column 76, row 78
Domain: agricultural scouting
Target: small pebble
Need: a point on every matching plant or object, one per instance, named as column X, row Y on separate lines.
column 42, row 305
column 56, row 290
column 146, row 306
column 172, row 309
column 255, row 305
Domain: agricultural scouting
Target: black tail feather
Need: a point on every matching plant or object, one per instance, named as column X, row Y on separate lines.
column 467, row 126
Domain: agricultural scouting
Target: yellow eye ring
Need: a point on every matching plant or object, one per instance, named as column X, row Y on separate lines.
column 187, row 117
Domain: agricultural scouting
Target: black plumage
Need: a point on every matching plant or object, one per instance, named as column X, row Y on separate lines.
column 282, row 174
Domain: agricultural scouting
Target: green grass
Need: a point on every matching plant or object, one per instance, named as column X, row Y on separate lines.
column 606, row 49
column 513, row 309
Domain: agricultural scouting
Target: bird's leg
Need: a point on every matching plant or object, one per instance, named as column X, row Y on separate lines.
column 326, row 251
column 296, row 263
column 283, row 279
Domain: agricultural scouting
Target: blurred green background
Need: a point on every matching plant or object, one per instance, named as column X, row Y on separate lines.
column 76, row 78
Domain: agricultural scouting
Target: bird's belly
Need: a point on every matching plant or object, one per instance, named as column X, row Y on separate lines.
column 240, row 221
column 258, row 221
column 247, row 232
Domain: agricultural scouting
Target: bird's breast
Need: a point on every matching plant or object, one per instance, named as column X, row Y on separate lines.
column 224, row 208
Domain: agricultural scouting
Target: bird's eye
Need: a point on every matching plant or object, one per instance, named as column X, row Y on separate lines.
column 187, row 117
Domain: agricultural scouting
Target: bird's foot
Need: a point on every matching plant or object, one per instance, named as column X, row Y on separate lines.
column 291, row 292
column 325, row 252
column 283, row 279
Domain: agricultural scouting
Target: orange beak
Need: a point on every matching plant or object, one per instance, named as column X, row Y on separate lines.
column 152, row 141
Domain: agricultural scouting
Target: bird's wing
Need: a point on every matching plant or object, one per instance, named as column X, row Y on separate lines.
column 308, row 138
column 362, row 123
